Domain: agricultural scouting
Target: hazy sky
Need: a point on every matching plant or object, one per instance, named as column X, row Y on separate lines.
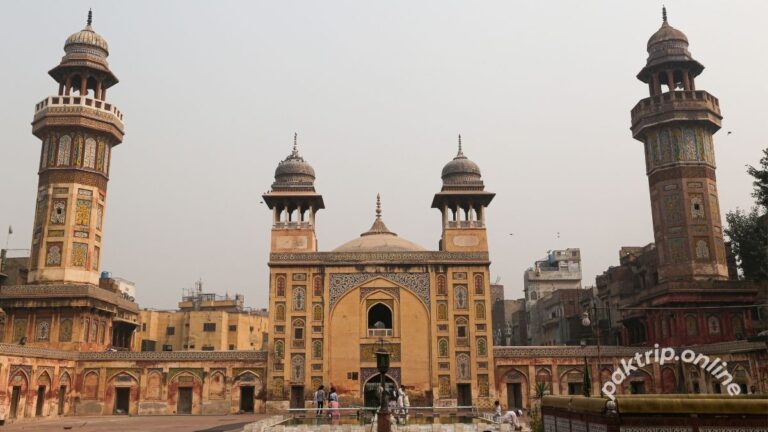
column 212, row 93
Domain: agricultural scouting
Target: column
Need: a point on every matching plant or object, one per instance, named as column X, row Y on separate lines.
column 656, row 88
column 686, row 81
column 68, row 86
column 670, row 80
column 83, row 86
column 98, row 90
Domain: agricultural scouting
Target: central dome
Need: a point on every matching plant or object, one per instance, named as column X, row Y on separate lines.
column 86, row 40
column 379, row 238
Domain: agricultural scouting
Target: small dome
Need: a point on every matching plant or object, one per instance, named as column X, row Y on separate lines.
column 461, row 171
column 668, row 44
column 86, row 38
column 378, row 239
column 294, row 169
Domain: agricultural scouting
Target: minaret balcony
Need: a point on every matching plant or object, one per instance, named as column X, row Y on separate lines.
column 78, row 111
column 694, row 105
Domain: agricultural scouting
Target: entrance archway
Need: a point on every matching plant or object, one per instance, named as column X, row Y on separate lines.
column 371, row 389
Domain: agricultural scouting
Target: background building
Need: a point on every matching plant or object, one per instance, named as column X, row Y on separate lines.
column 558, row 270
column 204, row 322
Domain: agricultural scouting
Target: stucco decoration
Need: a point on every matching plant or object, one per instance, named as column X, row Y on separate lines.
column 444, row 386
column 43, row 330
column 59, row 211
column 702, row 249
column 297, row 368
column 365, row 292
column 463, row 371
column 367, row 373
column 65, row 330
column 53, row 256
column 417, row 283
column 79, row 254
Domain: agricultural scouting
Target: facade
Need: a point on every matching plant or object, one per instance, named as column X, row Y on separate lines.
column 560, row 269
column 329, row 311
column 61, row 304
column 204, row 322
column 558, row 317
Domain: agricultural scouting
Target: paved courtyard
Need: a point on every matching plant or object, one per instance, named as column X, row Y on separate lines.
column 231, row 423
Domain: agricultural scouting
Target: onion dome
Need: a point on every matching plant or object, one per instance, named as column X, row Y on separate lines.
column 85, row 52
column 293, row 172
column 87, row 40
column 378, row 238
column 461, row 172
column 669, row 45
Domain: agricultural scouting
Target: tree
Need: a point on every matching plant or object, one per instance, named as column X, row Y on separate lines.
column 761, row 181
column 748, row 233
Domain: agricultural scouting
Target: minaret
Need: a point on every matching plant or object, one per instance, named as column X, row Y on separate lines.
column 462, row 202
column 676, row 127
column 78, row 129
column 294, row 204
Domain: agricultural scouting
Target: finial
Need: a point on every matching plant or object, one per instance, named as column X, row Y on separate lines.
column 460, row 153
column 295, row 144
column 378, row 206
column 90, row 17
column 664, row 14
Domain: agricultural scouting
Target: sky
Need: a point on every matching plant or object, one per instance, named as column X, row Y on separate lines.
column 212, row 93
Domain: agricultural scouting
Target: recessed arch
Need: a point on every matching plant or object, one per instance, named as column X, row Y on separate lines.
column 380, row 312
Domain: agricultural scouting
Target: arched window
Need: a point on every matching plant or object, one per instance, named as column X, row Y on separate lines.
column 461, row 329
column 442, row 347
column 379, row 313
column 713, row 324
column 482, row 347
column 691, row 326
column 280, row 286
column 91, row 385
column 89, row 157
column 299, row 297
column 479, row 286
column 317, row 349
column 298, row 330
column 738, row 327
column 442, row 311
column 44, row 156
column 65, row 147
column 480, row 310
column 317, row 312
column 460, row 295
column 297, row 368
column 280, row 312
column 442, row 285
column 462, row 367
column 279, row 349
column 317, row 286
column 43, row 330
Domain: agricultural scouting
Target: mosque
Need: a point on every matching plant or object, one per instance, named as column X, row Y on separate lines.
column 329, row 311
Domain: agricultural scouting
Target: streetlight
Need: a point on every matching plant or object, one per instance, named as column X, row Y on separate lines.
column 594, row 326
column 382, row 364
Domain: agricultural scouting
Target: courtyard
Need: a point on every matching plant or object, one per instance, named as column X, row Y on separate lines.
column 224, row 423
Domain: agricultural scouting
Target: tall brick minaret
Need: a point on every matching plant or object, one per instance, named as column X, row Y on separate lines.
column 78, row 128
column 676, row 124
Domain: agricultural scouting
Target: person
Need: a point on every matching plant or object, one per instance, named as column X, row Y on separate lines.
column 400, row 405
column 319, row 399
column 333, row 403
column 406, row 401
column 496, row 411
column 392, row 394
column 511, row 417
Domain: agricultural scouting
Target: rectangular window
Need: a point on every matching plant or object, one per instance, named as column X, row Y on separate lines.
column 279, row 329
column 167, row 347
column 298, row 333
column 231, row 347
column 207, row 348
column 170, row 331
column 209, row 327
column 462, row 331
column 143, row 327
column 232, row 328
column 352, row 376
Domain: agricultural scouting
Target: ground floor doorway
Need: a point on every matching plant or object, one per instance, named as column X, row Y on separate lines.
column 184, row 404
column 122, row 400
column 15, row 396
column 246, row 399
column 514, row 396
column 62, row 399
column 464, row 392
column 371, row 393
column 40, row 401
column 297, row 396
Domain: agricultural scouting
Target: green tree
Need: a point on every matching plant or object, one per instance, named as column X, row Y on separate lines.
column 748, row 233
column 761, row 180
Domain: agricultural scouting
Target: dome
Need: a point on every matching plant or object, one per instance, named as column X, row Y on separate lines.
column 379, row 238
column 668, row 44
column 86, row 38
column 294, row 170
column 461, row 171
